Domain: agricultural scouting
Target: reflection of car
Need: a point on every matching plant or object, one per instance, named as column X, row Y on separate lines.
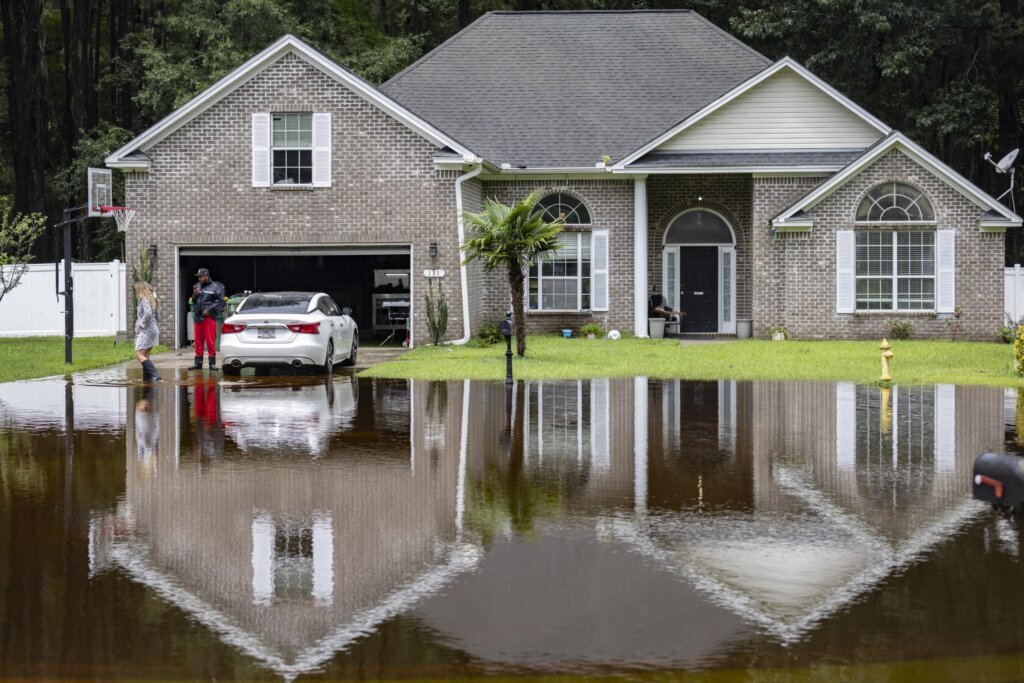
column 297, row 417
column 288, row 329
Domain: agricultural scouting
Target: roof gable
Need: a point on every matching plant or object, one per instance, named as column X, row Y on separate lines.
column 129, row 157
column 560, row 90
column 783, row 107
column 995, row 213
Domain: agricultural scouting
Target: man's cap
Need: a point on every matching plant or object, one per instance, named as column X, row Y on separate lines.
column 202, row 271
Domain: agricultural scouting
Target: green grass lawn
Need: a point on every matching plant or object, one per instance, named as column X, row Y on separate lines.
column 551, row 357
column 30, row 357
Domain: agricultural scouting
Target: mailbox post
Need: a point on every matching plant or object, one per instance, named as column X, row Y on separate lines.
column 506, row 332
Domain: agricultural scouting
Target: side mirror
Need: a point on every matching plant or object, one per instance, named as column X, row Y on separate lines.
column 345, row 310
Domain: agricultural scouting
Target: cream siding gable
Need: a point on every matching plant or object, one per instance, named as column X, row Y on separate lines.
column 785, row 111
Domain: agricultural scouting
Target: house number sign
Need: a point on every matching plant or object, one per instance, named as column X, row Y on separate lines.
column 433, row 273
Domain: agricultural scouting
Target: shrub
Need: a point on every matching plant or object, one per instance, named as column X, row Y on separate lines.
column 437, row 313
column 1006, row 335
column 490, row 334
column 901, row 329
column 955, row 324
column 1018, row 351
column 591, row 328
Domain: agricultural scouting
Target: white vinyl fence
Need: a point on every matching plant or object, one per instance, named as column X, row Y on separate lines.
column 34, row 309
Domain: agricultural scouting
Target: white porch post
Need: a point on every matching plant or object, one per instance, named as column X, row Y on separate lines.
column 640, row 256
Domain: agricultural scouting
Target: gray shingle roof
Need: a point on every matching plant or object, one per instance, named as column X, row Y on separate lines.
column 562, row 89
column 754, row 158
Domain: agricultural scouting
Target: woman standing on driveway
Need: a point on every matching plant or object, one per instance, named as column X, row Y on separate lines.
column 146, row 331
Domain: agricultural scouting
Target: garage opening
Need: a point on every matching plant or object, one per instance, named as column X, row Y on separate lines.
column 373, row 282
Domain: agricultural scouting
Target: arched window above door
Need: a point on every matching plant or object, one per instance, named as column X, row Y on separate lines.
column 699, row 226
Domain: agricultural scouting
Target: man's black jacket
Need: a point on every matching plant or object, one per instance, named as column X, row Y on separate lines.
column 211, row 296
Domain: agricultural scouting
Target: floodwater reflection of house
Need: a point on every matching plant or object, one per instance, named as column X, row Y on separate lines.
column 710, row 507
column 289, row 552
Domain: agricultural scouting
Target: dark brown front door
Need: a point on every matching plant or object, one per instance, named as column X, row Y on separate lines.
column 698, row 283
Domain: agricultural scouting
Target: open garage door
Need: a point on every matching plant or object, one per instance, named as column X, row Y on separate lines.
column 371, row 280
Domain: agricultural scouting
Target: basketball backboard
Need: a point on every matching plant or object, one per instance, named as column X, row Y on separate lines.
column 101, row 190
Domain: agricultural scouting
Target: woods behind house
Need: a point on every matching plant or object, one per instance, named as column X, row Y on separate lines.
column 84, row 76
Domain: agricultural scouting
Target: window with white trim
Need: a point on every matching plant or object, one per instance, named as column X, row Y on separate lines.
column 560, row 279
column 292, row 148
column 894, row 202
column 895, row 270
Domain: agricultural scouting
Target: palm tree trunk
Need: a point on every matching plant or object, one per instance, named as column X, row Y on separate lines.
column 515, row 281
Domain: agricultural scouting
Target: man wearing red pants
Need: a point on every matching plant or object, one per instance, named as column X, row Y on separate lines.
column 207, row 303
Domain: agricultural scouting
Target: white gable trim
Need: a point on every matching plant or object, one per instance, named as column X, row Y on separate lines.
column 897, row 140
column 784, row 63
column 285, row 45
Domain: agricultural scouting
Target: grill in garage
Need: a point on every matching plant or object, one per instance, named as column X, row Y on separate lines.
column 373, row 281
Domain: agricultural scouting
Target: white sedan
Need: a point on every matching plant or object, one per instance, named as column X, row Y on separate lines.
column 288, row 329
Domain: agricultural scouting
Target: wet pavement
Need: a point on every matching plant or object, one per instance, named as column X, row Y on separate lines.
column 290, row 526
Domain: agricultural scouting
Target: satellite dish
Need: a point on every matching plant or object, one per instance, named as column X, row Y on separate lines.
column 1005, row 165
column 1006, row 162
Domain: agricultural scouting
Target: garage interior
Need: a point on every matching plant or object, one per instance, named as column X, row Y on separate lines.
column 374, row 283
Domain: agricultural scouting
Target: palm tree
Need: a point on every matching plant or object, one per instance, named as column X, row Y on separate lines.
column 511, row 237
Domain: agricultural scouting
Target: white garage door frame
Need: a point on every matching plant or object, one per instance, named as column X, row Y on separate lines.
column 401, row 249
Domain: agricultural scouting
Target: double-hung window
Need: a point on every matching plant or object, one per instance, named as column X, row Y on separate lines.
column 292, row 149
column 560, row 280
column 895, row 270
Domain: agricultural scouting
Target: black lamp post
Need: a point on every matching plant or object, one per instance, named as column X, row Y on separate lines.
column 506, row 332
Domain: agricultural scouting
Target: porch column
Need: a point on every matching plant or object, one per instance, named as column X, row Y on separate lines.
column 640, row 256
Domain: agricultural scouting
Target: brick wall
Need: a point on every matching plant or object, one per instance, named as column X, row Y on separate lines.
column 795, row 281
column 610, row 203
column 385, row 189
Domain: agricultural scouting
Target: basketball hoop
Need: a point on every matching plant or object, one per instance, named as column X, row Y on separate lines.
column 122, row 214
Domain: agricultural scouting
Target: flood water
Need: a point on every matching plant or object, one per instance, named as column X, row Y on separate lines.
column 290, row 527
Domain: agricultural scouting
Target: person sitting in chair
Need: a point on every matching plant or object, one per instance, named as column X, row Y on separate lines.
column 657, row 307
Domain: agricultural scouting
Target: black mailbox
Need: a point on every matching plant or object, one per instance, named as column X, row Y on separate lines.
column 999, row 479
column 506, row 326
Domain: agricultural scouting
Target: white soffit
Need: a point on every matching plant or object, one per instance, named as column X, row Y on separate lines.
column 784, row 106
column 285, row 45
column 918, row 154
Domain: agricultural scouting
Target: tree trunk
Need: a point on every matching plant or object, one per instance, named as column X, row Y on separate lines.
column 28, row 110
column 515, row 281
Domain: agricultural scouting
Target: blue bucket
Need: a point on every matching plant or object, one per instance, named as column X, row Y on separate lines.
column 566, row 333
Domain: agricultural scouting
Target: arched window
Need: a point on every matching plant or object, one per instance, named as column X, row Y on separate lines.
column 893, row 202
column 698, row 227
column 560, row 205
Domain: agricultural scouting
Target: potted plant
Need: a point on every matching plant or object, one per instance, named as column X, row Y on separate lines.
column 779, row 333
column 591, row 330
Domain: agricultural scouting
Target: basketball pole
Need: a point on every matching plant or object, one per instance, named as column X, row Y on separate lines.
column 69, row 282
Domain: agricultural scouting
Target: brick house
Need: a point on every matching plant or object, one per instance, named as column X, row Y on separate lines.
column 751, row 194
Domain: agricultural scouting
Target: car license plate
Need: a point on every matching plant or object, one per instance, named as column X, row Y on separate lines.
column 266, row 333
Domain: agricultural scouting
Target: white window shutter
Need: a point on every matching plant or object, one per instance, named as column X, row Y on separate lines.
column 846, row 285
column 599, row 270
column 846, row 426
column 945, row 271
column 322, row 150
column 261, row 149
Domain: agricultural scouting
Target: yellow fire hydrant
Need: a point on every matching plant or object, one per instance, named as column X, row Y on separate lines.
column 886, row 357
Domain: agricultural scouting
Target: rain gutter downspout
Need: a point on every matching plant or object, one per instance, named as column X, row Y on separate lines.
column 462, row 241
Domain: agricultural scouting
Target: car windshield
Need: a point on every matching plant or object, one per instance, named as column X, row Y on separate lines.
column 275, row 303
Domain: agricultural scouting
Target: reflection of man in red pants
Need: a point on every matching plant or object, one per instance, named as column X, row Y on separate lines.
column 209, row 432
column 207, row 303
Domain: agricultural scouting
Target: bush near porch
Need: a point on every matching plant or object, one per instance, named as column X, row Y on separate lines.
column 552, row 357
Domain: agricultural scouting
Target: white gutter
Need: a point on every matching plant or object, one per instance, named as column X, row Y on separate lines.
column 466, row 334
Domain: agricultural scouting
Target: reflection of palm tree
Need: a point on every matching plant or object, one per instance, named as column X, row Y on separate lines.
column 511, row 497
